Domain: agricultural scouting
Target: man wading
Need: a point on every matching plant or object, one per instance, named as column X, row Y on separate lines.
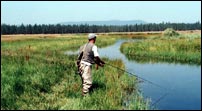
column 88, row 55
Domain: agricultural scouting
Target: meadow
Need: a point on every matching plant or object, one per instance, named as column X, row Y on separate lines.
column 185, row 48
column 36, row 74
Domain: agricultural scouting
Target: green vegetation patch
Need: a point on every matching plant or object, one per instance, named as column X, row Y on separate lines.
column 182, row 49
column 36, row 74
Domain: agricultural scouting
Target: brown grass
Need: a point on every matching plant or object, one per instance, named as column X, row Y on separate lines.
column 190, row 32
column 26, row 36
column 127, row 34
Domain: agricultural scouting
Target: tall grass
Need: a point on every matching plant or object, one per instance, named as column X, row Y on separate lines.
column 35, row 74
column 180, row 49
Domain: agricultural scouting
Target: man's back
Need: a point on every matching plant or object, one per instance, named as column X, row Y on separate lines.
column 86, row 60
column 89, row 52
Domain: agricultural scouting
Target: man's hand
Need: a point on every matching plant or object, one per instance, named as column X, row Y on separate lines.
column 102, row 65
column 102, row 62
column 97, row 66
column 99, row 62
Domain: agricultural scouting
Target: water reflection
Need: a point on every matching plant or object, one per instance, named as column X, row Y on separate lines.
column 143, row 60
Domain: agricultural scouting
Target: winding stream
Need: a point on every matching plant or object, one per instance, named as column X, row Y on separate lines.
column 182, row 81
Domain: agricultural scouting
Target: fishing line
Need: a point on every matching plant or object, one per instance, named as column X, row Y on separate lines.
column 136, row 76
column 155, row 102
column 159, row 99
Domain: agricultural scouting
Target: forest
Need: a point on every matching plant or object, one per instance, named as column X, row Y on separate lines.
column 85, row 28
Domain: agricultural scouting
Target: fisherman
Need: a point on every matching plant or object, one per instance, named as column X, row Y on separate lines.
column 88, row 55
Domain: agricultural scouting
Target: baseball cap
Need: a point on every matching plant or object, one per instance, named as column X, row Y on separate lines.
column 91, row 36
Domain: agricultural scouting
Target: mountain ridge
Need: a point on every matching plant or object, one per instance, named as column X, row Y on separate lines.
column 107, row 22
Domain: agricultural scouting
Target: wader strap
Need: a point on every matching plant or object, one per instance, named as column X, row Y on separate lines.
column 84, row 50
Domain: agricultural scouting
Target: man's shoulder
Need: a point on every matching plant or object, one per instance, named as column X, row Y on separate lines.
column 81, row 47
column 94, row 46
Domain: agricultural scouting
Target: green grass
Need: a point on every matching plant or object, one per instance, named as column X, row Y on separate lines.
column 184, row 48
column 72, row 42
column 36, row 74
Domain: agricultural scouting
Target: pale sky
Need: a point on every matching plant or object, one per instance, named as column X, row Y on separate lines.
column 52, row 12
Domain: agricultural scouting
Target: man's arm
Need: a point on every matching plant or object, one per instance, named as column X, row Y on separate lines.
column 80, row 55
column 99, row 62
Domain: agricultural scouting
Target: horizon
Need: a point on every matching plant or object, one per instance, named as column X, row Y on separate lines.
column 54, row 12
column 102, row 21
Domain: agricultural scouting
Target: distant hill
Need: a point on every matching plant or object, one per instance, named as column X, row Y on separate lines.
column 110, row 22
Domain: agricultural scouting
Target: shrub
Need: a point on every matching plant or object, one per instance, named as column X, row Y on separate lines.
column 170, row 32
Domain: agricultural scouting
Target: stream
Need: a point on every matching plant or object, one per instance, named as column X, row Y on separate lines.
column 182, row 81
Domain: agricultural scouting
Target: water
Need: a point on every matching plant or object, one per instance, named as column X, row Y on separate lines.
column 182, row 81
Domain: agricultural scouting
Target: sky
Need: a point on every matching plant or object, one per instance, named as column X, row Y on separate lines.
column 52, row 12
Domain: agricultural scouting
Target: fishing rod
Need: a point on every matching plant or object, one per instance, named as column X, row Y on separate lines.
column 136, row 76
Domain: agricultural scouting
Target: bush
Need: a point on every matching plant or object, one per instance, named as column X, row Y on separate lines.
column 170, row 32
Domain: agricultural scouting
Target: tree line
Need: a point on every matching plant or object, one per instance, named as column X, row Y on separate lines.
column 85, row 28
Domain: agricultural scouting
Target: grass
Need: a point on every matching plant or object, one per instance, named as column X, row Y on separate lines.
column 36, row 74
column 185, row 48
